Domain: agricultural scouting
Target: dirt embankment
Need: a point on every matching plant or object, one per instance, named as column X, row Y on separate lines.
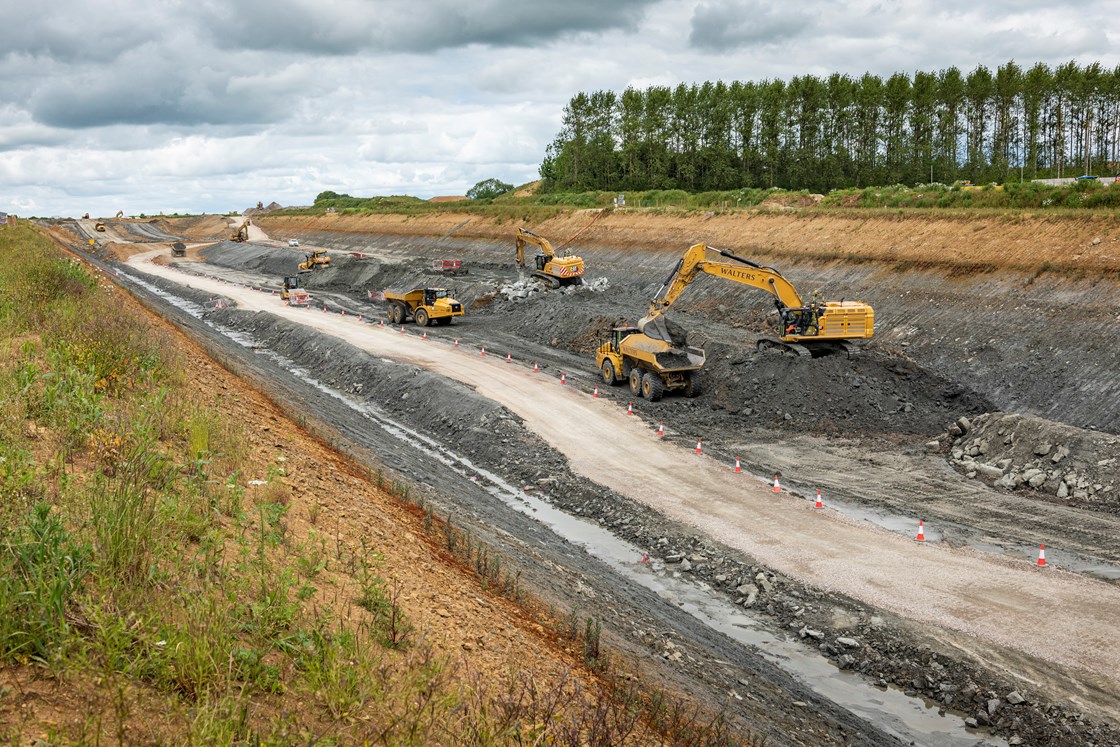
column 970, row 243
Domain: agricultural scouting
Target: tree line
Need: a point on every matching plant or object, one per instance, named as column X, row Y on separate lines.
column 826, row 133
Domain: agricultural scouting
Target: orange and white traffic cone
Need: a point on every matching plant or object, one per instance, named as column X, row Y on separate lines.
column 456, row 342
column 535, row 367
column 818, row 504
column 381, row 323
column 562, row 379
column 777, row 485
column 595, row 394
column 359, row 317
column 921, row 531
column 661, row 429
column 484, row 350
column 343, row 312
column 1042, row 556
column 630, row 409
column 737, row 467
column 424, row 336
column 402, row 329
column 508, row 358
column 698, row 449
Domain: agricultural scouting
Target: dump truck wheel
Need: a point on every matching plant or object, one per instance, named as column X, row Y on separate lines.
column 652, row 387
column 636, row 382
column 692, row 389
column 422, row 317
column 609, row 375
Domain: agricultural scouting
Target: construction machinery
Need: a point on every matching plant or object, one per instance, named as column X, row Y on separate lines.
column 242, row 233
column 552, row 269
column 293, row 293
column 655, row 356
column 315, row 258
column 425, row 305
column 99, row 226
column 178, row 249
column 453, row 267
column 120, row 214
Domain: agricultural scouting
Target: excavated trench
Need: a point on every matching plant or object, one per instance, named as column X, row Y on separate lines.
column 887, row 404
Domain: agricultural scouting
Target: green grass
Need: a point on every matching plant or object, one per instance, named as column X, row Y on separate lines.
column 133, row 560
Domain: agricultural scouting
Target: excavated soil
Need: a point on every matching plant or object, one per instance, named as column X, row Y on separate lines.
column 961, row 331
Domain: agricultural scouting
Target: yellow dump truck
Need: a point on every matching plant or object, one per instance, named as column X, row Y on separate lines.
column 425, row 305
column 650, row 366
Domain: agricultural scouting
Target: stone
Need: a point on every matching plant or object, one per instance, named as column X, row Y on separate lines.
column 933, row 445
column 993, row 705
column 848, row 642
column 764, row 582
column 955, row 431
column 674, row 558
column 989, row 471
column 747, row 589
column 1042, row 449
column 807, row 632
column 846, row 661
column 971, row 723
column 1059, row 454
column 964, row 424
column 1014, row 698
column 1063, row 490
column 686, row 565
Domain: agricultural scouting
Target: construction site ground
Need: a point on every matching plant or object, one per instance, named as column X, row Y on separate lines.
column 974, row 314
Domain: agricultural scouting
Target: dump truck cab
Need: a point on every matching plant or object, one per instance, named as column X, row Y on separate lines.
column 293, row 293
column 424, row 305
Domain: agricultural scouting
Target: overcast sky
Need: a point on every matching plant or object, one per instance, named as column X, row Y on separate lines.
column 212, row 105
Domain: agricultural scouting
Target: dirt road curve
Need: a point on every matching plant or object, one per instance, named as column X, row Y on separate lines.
column 1060, row 617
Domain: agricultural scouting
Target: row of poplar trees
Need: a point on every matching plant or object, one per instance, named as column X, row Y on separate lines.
column 826, row 133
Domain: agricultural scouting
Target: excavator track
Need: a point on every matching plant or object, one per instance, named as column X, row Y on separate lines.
column 792, row 349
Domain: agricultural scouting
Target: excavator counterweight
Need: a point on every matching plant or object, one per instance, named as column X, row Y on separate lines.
column 550, row 268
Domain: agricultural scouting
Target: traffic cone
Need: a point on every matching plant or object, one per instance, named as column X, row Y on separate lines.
column 535, row 367
column 595, row 394
column 508, row 358
column 921, row 531
column 661, row 429
column 1042, row 556
column 380, row 322
column 737, row 467
column 359, row 317
column 424, row 336
column 343, row 312
column 777, row 485
column 698, row 445
column 818, row 504
column 456, row 342
column 324, row 309
column 402, row 329
column 630, row 409
column 484, row 350
column 562, row 379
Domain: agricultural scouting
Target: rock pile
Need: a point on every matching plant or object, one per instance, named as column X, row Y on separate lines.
column 523, row 289
column 1020, row 452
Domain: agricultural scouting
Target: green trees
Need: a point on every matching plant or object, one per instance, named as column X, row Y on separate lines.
column 822, row 133
column 488, row 189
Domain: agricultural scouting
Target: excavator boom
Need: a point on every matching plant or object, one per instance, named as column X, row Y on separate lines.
column 551, row 269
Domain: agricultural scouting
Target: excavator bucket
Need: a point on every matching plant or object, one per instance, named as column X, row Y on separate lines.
column 660, row 328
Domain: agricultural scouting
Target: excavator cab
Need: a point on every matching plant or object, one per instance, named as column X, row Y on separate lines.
column 541, row 261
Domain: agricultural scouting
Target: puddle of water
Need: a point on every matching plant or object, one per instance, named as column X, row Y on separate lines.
column 908, row 718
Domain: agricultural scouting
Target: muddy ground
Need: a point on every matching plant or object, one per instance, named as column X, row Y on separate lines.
column 887, row 405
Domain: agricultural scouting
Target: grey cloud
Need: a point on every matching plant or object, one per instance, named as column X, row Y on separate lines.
column 724, row 25
column 349, row 26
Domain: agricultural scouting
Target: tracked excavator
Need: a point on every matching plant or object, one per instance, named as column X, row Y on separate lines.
column 655, row 356
column 551, row 269
column 242, row 232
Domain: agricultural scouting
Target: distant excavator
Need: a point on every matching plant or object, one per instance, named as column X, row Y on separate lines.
column 655, row 356
column 120, row 214
column 551, row 269
column 242, row 233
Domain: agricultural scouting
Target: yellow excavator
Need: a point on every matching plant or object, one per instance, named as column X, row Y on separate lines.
column 655, row 357
column 242, row 232
column 551, row 269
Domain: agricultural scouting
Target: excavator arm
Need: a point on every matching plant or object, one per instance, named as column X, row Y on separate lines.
column 528, row 237
column 746, row 272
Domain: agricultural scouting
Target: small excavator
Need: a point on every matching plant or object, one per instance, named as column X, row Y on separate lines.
column 655, row 357
column 551, row 269
column 242, row 233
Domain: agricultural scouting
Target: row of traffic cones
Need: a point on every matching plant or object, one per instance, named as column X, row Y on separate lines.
column 1041, row 562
